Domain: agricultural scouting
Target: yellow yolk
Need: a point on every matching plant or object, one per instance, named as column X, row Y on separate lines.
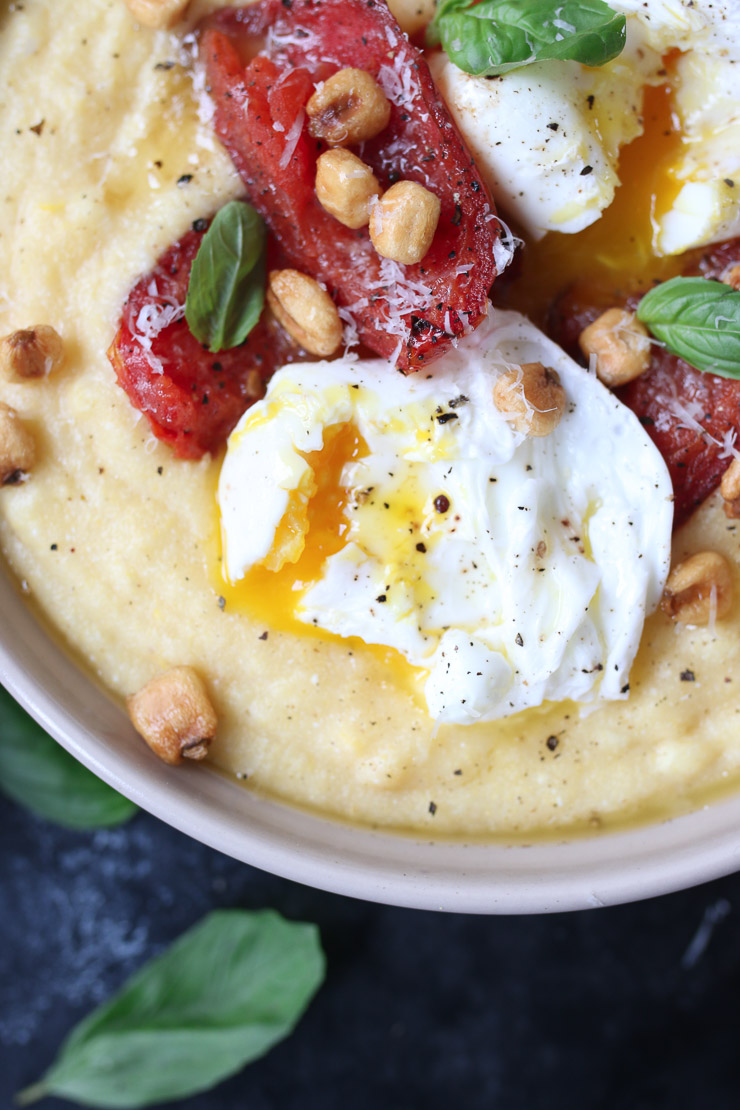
column 616, row 253
column 324, row 526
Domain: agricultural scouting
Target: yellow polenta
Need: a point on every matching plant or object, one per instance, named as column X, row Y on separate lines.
column 115, row 540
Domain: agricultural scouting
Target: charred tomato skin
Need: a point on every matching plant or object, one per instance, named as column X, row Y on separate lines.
column 197, row 397
column 260, row 117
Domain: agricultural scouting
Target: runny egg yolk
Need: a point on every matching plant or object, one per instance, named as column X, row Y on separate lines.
column 616, row 253
column 324, row 523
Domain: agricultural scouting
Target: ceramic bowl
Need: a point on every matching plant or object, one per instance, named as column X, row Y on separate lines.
column 400, row 870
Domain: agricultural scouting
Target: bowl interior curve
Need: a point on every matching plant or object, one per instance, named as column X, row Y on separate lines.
column 399, row 870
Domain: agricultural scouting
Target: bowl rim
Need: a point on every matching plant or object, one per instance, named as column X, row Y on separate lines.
column 359, row 862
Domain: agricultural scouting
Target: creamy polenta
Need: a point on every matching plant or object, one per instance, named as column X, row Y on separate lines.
column 107, row 158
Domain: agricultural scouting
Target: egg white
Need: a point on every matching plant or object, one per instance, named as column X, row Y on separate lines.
column 532, row 585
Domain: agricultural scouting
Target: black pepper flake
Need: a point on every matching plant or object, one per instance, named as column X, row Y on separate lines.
column 553, row 126
column 200, row 224
column 432, row 808
column 452, row 254
column 264, row 636
column 458, row 772
column 381, row 598
column 185, row 179
column 625, row 689
column 688, row 676
column 518, row 639
column 54, row 546
column 222, row 603
column 475, row 186
column 586, row 170
column 38, row 127
column 422, row 547
column 164, row 65
column 590, row 100
column 647, row 421
column 552, row 743
column 728, row 180
column 457, row 216
column 160, row 470
column 445, row 417
column 441, row 503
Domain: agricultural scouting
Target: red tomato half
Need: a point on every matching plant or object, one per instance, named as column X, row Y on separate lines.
column 407, row 313
column 191, row 398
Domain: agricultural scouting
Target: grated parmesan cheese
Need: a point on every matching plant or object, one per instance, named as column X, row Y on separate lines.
column 291, row 139
column 151, row 321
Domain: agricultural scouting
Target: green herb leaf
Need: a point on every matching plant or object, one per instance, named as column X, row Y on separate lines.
column 221, row 996
column 39, row 774
column 698, row 320
column 497, row 36
column 227, row 280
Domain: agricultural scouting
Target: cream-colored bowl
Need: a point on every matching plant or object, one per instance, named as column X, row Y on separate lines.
column 404, row 871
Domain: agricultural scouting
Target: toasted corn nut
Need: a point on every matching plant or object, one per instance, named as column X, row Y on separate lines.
column 730, row 490
column 348, row 108
column 157, row 14
column 31, row 353
column 17, row 447
column 403, row 222
column 621, row 345
column 732, row 277
column 345, row 186
column 531, row 397
column 699, row 588
column 412, row 15
column 305, row 310
column 174, row 715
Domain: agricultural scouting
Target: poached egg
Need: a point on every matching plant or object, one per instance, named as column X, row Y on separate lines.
column 548, row 137
column 409, row 513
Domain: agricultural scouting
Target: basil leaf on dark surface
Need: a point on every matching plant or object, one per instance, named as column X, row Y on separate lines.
column 496, row 36
column 698, row 320
column 221, row 996
column 39, row 774
column 227, row 280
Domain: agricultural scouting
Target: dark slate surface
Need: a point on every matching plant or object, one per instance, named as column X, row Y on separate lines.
column 632, row 1007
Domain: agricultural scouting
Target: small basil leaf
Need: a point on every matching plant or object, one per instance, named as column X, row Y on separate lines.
column 221, row 996
column 496, row 36
column 39, row 774
column 698, row 320
column 227, row 279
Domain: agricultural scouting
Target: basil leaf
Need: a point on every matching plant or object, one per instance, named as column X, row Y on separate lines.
column 497, row 36
column 222, row 995
column 227, row 280
column 698, row 320
column 39, row 774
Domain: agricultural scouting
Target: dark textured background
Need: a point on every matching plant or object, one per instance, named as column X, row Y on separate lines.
column 630, row 1007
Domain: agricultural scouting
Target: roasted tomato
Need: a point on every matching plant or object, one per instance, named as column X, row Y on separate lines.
column 406, row 313
column 692, row 417
column 191, row 398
